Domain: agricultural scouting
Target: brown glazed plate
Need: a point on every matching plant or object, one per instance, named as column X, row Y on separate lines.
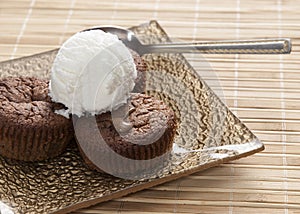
column 208, row 137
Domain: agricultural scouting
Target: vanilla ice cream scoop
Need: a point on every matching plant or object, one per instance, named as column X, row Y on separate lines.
column 92, row 73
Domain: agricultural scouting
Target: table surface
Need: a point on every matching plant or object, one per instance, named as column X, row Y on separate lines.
column 263, row 90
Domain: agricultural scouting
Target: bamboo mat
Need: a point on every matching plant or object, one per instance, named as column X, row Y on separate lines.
column 263, row 90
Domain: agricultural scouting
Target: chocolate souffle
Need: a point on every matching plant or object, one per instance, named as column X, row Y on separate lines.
column 30, row 130
column 143, row 129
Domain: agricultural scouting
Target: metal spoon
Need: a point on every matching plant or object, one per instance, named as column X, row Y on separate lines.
column 260, row 46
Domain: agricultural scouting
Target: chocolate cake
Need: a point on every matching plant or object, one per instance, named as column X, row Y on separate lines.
column 141, row 67
column 142, row 129
column 29, row 128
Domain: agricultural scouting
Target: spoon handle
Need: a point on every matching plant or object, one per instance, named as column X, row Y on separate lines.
column 261, row 46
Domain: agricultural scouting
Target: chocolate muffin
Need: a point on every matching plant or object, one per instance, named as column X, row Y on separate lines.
column 29, row 128
column 141, row 67
column 143, row 129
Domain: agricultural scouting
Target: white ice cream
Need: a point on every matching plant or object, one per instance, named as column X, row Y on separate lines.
column 93, row 72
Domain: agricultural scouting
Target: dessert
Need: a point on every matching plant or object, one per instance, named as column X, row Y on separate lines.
column 29, row 128
column 141, row 67
column 149, row 130
column 93, row 73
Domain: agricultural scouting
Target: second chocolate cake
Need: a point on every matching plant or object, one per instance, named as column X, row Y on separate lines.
column 30, row 130
column 141, row 130
column 141, row 67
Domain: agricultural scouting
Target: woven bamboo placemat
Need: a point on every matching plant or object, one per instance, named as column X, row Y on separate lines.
column 263, row 90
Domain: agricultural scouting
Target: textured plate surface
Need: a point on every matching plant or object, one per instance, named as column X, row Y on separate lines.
column 64, row 184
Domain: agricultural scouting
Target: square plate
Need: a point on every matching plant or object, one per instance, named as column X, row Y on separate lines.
column 211, row 136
